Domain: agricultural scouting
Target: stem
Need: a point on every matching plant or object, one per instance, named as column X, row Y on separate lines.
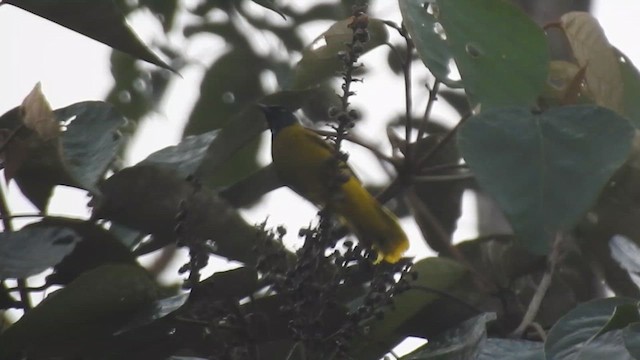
column 433, row 96
column 439, row 178
column 358, row 141
column 25, row 299
column 541, row 290
column 448, row 137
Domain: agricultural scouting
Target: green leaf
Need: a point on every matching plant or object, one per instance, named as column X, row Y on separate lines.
column 428, row 38
column 623, row 315
column 571, row 337
column 32, row 250
column 461, row 342
column 184, row 158
column 91, row 141
column 158, row 309
column 96, row 247
column 250, row 189
column 320, row 59
column 100, row 20
column 510, row 349
column 80, row 316
column 631, row 336
column 502, row 55
column 433, row 273
column 245, row 126
column 545, row 170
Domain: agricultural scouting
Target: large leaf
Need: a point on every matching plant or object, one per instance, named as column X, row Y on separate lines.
column 245, row 126
column 99, row 20
column 575, row 336
column 502, row 55
column 184, row 158
column 462, row 342
column 434, row 273
column 429, row 39
column 320, row 59
column 32, row 250
column 78, row 317
column 545, row 170
column 41, row 156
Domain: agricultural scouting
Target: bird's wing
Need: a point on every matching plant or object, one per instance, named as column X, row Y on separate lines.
column 313, row 137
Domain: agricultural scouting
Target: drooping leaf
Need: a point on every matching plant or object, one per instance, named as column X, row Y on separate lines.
column 545, row 170
column 419, row 17
column 593, row 52
column 99, row 20
column 502, row 55
column 572, row 337
column 82, row 315
column 320, row 59
column 32, row 250
column 462, row 342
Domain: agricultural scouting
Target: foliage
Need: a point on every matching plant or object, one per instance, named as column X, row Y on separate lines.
column 552, row 141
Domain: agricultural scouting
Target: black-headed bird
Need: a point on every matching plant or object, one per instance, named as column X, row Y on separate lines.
column 308, row 165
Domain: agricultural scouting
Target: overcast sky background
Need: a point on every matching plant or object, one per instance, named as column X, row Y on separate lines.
column 74, row 68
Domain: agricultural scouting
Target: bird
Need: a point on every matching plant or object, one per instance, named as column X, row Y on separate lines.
column 306, row 163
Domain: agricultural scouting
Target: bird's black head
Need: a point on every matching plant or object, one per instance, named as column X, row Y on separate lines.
column 278, row 117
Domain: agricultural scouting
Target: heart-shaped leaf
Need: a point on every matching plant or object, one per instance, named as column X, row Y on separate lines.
column 574, row 335
column 545, row 170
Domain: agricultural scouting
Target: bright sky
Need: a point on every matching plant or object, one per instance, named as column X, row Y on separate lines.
column 74, row 68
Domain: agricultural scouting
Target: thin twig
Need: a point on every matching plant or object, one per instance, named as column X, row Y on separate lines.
column 444, row 167
column 541, row 290
column 358, row 141
column 448, row 137
column 433, row 97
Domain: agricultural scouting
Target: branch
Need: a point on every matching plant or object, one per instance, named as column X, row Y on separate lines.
column 541, row 290
column 433, row 96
